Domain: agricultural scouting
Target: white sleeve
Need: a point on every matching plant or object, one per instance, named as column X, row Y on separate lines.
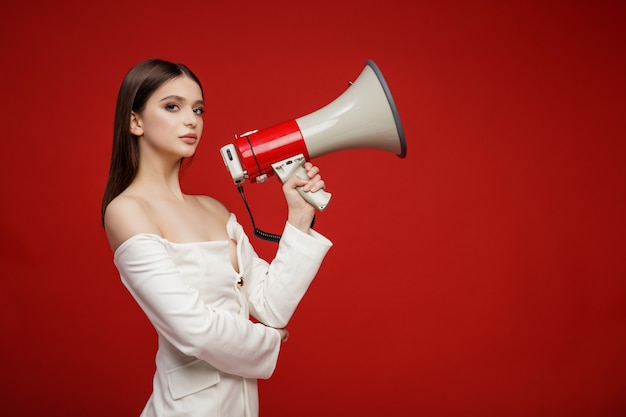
column 274, row 290
column 228, row 342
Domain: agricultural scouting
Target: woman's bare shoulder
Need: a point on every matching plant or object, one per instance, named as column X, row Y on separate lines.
column 217, row 208
column 127, row 216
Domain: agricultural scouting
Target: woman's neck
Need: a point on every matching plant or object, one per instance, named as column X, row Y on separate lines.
column 159, row 179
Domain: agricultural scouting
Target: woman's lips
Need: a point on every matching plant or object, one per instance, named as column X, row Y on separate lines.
column 190, row 138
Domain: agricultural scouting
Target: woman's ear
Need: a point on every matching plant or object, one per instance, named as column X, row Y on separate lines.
column 135, row 124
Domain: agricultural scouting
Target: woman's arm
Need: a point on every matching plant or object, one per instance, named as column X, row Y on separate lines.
column 276, row 289
column 228, row 342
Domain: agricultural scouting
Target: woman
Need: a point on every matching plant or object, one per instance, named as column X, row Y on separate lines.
column 186, row 260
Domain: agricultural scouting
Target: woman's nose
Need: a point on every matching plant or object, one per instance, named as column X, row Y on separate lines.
column 191, row 118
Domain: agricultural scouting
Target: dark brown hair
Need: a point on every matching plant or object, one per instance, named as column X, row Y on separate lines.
column 138, row 85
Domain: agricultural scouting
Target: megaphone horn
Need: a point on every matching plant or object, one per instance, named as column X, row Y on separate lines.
column 364, row 116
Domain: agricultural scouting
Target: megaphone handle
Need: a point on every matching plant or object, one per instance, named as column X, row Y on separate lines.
column 295, row 166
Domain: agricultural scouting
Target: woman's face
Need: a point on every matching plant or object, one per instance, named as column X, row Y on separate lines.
column 171, row 122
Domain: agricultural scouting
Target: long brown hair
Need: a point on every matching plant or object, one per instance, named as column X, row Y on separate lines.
column 138, row 85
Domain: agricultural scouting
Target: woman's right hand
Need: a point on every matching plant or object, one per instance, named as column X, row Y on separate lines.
column 301, row 212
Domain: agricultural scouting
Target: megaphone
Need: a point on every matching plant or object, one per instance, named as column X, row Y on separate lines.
column 364, row 116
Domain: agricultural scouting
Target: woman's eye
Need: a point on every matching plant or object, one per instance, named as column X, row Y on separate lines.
column 198, row 111
column 171, row 107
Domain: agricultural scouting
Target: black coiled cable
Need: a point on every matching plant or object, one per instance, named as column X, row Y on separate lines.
column 271, row 237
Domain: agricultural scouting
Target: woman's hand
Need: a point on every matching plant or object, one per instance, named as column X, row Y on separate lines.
column 301, row 212
column 284, row 334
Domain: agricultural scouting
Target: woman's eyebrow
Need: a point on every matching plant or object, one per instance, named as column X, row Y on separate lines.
column 181, row 99
column 173, row 96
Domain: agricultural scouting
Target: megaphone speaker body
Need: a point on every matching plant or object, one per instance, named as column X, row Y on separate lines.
column 363, row 117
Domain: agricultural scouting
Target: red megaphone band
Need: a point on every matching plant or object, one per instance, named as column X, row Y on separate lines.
column 260, row 149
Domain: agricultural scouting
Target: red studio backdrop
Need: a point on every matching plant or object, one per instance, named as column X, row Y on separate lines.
column 482, row 275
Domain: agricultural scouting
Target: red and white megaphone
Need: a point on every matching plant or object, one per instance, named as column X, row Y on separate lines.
column 364, row 116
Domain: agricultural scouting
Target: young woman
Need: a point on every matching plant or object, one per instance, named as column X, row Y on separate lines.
column 186, row 260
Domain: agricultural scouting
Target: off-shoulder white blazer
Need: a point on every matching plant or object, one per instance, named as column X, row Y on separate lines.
column 210, row 353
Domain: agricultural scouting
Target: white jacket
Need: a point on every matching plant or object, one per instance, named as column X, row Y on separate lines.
column 210, row 353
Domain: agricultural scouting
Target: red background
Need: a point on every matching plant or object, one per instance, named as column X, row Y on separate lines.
column 483, row 275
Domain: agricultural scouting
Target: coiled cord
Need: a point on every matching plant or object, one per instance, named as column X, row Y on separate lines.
column 270, row 237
